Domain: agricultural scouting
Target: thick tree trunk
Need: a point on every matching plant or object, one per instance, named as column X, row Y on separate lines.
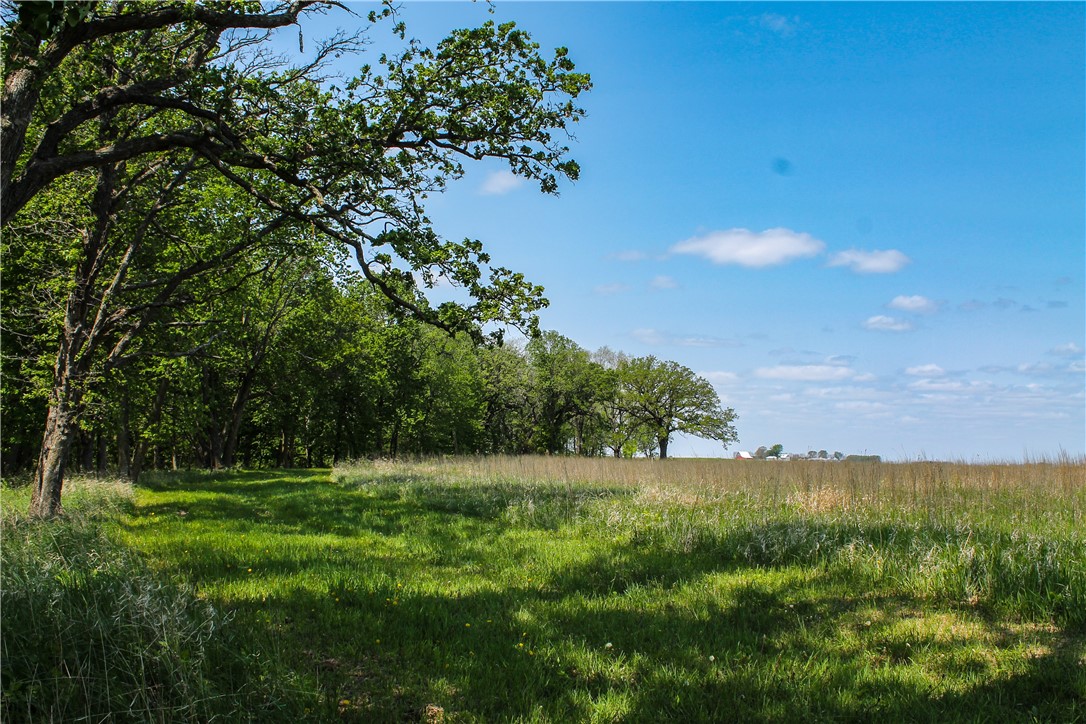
column 60, row 432
column 663, row 447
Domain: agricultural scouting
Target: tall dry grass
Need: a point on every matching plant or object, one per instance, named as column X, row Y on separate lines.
column 1008, row 536
column 819, row 486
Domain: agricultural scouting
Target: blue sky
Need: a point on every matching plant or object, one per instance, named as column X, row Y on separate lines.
column 864, row 223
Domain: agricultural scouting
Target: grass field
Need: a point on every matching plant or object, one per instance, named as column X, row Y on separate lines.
column 556, row 589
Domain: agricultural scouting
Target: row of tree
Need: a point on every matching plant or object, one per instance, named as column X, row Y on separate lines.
column 304, row 364
column 178, row 203
column 777, row 451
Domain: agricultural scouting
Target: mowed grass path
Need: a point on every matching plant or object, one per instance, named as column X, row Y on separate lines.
column 395, row 594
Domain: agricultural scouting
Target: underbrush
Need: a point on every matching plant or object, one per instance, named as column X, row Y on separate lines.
column 91, row 633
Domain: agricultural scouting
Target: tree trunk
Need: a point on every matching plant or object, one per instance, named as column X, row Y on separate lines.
column 86, row 452
column 103, row 454
column 49, row 476
column 237, row 414
column 124, row 450
column 394, row 439
column 663, row 447
column 152, row 419
column 286, row 448
column 60, row 423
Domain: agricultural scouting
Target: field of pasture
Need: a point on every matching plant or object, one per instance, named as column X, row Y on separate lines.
column 555, row 589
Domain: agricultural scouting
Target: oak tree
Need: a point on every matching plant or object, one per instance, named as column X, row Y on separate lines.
column 665, row 397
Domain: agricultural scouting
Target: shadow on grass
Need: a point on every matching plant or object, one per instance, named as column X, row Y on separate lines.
column 383, row 648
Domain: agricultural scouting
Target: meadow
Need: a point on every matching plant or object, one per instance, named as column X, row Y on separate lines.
column 554, row 589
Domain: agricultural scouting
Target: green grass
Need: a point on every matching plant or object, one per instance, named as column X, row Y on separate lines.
column 446, row 591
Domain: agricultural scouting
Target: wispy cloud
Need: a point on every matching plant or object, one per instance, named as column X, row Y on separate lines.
column 609, row 289
column 870, row 262
column 805, row 373
column 498, row 183
column 662, row 282
column 882, row 323
column 750, row 248
column 1066, row 350
column 658, row 338
column 916, row 303
column 782, row 25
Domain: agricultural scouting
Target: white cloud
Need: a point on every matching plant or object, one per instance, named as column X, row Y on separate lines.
column 751, row 249
column 662, row 282
column 929, row 370
column 500, row 182
column 950, row 386
column 805, row 373
column 882, row 323
column 914, row 303
column 870, row 262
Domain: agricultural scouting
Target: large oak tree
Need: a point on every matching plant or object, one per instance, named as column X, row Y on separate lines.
column 666, row 397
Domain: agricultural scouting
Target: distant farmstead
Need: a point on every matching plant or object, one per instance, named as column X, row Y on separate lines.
column 743, row 455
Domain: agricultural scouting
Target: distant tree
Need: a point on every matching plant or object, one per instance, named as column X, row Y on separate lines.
column 822, row 454
column 761, row 452
column 775, row 451
column 666, row 397
column 506, row 399
column 564, row 386
column 621, row 430
column 838, row 455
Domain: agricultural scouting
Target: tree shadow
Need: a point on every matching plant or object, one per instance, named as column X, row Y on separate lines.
column 587, row 630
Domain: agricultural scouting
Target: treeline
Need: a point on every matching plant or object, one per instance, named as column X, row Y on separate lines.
column 178, row 202
column 296, row 361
